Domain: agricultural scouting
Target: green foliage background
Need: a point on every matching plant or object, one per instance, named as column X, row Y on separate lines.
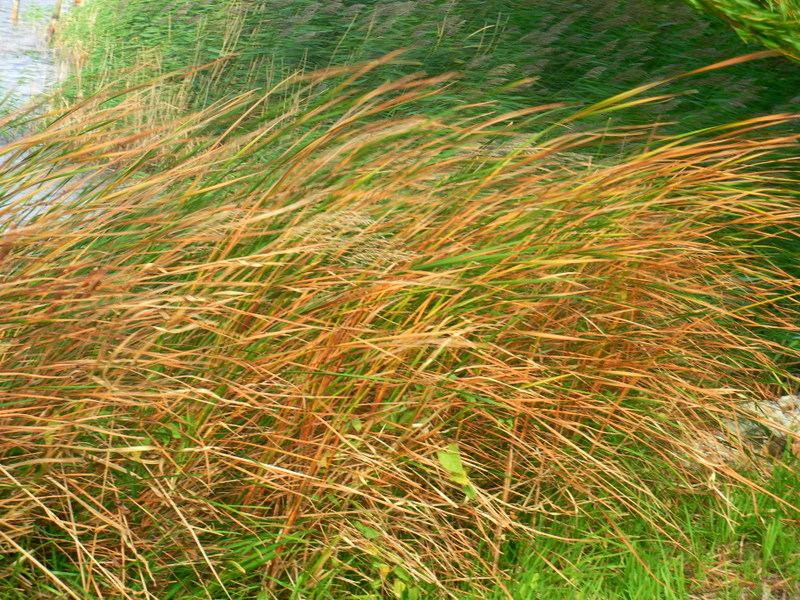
column 574, row 52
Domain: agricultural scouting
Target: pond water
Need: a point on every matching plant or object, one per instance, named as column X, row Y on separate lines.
column 27, row 64
column 27, row 68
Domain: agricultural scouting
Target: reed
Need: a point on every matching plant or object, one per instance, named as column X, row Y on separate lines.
column 291, row 345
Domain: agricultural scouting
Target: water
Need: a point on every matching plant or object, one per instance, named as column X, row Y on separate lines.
column 27, row 66
column 27, row 69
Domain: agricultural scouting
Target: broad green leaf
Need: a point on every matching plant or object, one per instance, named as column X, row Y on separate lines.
column 367, row 532
column 451, row 460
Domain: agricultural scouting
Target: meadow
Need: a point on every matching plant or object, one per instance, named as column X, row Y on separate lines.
column 357, row 331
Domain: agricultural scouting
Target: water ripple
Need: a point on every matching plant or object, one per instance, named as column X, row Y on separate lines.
column 26, row 62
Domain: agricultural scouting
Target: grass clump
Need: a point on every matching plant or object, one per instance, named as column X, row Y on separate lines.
column 333, row 352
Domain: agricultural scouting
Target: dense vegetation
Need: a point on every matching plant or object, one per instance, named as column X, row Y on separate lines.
column 577, row 52
column 272, row 331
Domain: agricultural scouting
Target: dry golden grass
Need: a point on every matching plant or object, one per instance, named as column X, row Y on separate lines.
column 344, row 346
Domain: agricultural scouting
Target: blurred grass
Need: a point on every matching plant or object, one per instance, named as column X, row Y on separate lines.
column 579, row 52
column 317, row 343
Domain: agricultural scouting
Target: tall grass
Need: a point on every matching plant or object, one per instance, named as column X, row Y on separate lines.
column 580, row 52
column 332, row 353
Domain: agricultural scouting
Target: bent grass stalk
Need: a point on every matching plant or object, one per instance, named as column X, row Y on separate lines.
column 330, row 350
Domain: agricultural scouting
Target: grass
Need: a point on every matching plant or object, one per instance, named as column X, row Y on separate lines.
column 302, row 345
column 576, row 52
column 773, row 23
column 729, row 553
